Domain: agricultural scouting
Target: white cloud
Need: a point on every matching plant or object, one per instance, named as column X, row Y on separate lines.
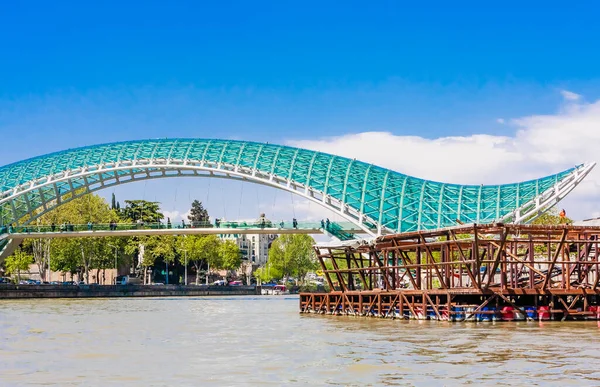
column 500, row 120
column 569, row 95
column 541, row 145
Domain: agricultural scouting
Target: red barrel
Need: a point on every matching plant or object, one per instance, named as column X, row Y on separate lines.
column 507, row 313
column 419, row 312
column 596, row 312
column 544, row 313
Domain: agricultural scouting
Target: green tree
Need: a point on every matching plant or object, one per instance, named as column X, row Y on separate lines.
column 18, row 261
column 209, row 252
column 142, row 210
column 90, row 251
column 293, row 255
column 79, row 254
column 104, row 256
column 135, row 247
column 198, row 214
column 65, row 256
column 40, row 250
column 551, row 217
column 231, row 256
column 199, row 249
column 87, row 208
column 267, row 273
column 163, row 246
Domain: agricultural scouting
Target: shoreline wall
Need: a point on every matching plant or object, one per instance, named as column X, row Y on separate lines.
column 107, row 291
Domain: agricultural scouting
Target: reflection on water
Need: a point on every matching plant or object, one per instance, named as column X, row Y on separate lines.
column 264, row 341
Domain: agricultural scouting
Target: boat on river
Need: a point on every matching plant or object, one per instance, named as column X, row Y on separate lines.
column 276, row 290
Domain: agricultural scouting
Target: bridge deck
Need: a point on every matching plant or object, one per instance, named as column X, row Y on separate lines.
column 164, row 231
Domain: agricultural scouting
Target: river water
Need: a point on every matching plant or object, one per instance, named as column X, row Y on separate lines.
column 264, row 341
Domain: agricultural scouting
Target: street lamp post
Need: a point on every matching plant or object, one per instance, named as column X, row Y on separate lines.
column 206, row 274
column 166, row 272
column 185, row 281
column 116, row 267
column 185, row 267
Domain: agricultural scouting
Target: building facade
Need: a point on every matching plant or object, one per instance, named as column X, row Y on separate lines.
column 254, row 247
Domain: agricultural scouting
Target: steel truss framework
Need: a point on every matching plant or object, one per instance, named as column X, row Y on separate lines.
column 378, row 200
column 463, row 273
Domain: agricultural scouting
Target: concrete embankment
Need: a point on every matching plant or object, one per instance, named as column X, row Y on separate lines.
column 91, row 291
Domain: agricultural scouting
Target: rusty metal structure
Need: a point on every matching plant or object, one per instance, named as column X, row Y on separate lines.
column 479, row 272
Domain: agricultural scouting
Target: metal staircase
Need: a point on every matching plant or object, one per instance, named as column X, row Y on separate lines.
column 336, row 231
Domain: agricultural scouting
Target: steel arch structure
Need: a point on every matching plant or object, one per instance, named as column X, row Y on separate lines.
column 376, row 199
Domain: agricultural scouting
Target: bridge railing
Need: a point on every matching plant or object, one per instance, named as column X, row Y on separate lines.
column 67, row 227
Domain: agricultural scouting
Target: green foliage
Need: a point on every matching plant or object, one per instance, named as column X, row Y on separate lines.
column 231, row 256
column 17, row 262
column 87, row 208
column 162, row 246
column 198, row 214
column 292, row 255
column 209, row 251
column 133, row 246
column 550, row 218
column 141, row 210
column 199, row 249
column 80, row 254
column 268, row 273
column 40, row 249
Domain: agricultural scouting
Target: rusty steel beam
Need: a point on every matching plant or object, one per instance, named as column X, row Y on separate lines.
column 458, row 268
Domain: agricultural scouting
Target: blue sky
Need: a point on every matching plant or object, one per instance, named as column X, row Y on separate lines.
column 74, row 74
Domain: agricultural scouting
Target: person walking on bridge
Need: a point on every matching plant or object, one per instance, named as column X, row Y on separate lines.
column 563, row 216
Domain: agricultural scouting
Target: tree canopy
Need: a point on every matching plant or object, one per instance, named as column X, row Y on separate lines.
column 551, row 217
column 230, row 254
column 292, row 255
column 142, row 210
column 81, row 255
column 198, row 214
column 17, row 262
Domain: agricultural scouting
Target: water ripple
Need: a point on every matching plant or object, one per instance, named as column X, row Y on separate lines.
column 238, row 341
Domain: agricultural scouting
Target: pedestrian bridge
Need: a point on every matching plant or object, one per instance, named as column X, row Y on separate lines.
column 341, row 230
column 12, row 236
column 375, row 199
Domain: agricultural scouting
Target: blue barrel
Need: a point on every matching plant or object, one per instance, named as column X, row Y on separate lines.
column 431, row 314
column 486, row 315
column 459, row 313
column 531, row 312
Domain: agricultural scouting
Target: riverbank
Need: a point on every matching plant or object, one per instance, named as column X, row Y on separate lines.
column 104, row 291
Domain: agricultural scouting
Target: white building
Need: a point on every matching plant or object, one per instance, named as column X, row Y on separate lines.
column 254, row 247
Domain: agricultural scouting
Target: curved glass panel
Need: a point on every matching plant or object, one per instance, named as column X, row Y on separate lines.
column 383, row 197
